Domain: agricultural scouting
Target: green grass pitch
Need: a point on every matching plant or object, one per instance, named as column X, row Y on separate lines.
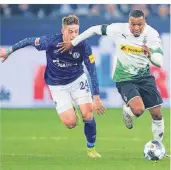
column 35, row 139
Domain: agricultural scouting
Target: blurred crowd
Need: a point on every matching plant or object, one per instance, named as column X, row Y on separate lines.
column 109, row 11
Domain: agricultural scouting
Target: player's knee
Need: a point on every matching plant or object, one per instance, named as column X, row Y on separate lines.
column 70, row 125
column 157, row 116
column 138, row 111
column 87, row 114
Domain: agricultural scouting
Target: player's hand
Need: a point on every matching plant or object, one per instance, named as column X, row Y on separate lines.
column 146, row 51
column 3, row 54
column 64, row 46
column 98, row 105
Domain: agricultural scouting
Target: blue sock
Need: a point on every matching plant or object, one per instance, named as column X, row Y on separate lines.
column 90, row 132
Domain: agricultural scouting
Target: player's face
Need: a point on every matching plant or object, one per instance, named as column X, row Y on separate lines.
column 136, row 25
column 70, row 32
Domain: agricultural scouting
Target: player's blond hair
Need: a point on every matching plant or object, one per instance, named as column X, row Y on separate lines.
column 70, row 20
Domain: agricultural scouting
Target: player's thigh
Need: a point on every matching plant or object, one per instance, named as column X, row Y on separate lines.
column 63, row 101
column 131, row 96
column 81, row 94
column 80, row 90
column 149, row 93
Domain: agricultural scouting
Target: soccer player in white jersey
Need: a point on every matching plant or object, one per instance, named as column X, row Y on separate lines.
column 66, row 79
column 137, row 45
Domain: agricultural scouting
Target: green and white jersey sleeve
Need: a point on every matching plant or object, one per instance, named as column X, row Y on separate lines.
column 131, row 61
column 154, row 42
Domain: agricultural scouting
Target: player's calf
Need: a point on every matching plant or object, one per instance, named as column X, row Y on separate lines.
column 89, row 124
column 157, row 123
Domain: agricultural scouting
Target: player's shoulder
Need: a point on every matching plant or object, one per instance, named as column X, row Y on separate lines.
column 151, row 31
column 119, row 25
column 53, row 37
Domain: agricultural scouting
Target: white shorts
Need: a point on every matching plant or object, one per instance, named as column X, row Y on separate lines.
column 77, row 91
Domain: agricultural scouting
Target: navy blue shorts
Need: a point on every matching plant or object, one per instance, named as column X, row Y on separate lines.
column 144, row 87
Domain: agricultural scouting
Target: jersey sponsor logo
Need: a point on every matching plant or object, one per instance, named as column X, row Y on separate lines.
column 60, row 63
column 131, row 49
column 91, row 58
column 76, row 55
column 37, row 41
column 55, row 51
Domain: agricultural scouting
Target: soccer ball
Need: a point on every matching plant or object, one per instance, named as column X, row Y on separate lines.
column 154, row 150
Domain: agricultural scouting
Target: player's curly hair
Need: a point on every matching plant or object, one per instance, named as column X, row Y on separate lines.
column 136, row 13
column 70, row 20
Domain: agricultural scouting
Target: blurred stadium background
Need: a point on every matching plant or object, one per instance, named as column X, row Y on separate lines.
column 34, row 138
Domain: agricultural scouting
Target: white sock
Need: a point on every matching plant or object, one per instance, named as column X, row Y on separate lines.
column 158, row 129
column 128, row 110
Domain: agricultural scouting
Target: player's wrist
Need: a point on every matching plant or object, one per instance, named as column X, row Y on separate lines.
column 9, row 51
column 149, row 55
column 96, row 97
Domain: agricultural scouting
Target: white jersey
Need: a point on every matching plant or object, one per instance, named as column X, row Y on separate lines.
column 132, row 63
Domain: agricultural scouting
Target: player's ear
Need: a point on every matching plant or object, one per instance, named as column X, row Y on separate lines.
column 62, row 30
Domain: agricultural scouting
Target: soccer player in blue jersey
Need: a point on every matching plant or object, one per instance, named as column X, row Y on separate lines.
column 66, row 79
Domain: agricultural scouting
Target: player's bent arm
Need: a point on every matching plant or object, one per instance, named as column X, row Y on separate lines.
column 94, row 80
column 89, row 62
column 157, row 59
column 90, row 65
column 156, row 50
column 40, row 43
column 97, row 103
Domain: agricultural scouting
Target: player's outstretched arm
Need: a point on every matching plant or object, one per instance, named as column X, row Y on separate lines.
column 40, row 43
column 66, row 45
column 4, row 53
column 95, row 30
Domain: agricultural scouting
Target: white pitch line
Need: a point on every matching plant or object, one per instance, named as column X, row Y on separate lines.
column 28, row 155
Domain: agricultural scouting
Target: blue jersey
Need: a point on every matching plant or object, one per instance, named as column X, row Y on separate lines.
column 63, row 68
